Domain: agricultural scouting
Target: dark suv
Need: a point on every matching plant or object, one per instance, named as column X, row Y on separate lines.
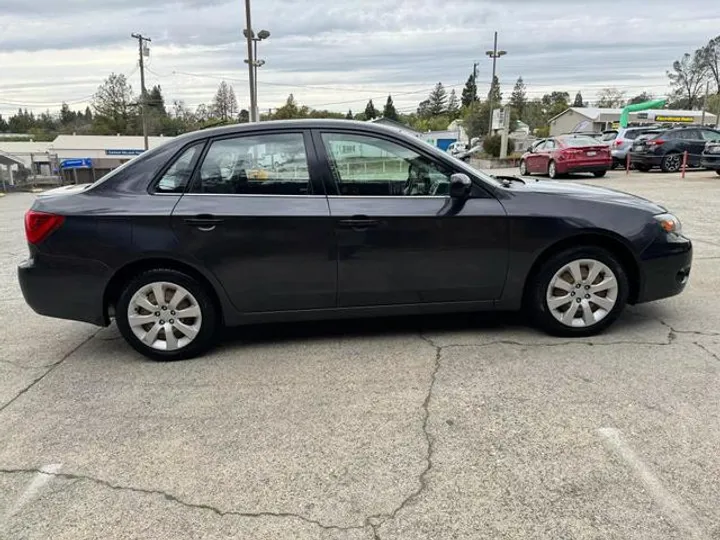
column 666, row 149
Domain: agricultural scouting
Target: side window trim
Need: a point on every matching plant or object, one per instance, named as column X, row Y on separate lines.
column 310, row 157
column 152, row 186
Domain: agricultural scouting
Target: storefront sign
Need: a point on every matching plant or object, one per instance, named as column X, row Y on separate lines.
column 82, row 163
column 129, row 152
column 675, row 119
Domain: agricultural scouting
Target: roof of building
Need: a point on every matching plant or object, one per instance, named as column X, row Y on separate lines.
column 594, row 113
column 105, row 142
column 24, row 147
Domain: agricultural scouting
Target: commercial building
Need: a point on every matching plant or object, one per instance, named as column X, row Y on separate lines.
column 598, row 119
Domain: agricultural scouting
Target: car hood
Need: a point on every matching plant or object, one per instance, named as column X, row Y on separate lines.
column 587, row 192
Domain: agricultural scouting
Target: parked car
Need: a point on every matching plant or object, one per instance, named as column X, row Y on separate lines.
column 666, row 149
column 456, row 148
column 566, row 154
column 711, row 156
column 621, row 140
column 183, row 240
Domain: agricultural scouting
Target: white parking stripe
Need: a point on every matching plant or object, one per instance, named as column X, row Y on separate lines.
column 39, row 480
column 681, row 516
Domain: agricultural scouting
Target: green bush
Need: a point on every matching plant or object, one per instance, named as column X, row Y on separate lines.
column 491, row 145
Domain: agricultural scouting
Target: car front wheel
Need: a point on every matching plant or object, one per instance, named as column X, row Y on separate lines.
column 579, row 292
column 166, row 315
column 523, row 168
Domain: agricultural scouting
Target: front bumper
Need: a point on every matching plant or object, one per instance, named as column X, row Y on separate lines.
column 710, row 162
column 65, row 288
column 665, row 267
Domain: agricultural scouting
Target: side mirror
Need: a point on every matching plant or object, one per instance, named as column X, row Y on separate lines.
column 460, row 185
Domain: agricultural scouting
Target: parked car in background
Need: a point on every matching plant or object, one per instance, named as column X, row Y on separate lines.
column 666, row 149
column 456, row 148
column 621, row 140
column 711, row 156
column 197, row 234
column 566, row 154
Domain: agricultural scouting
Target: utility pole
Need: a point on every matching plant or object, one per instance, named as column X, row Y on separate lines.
column 143, row 93
column 474, row 96
column 494, row 54
column 251, row 62
column 707, row 90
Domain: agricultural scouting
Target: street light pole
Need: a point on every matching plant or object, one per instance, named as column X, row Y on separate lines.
column 143, row 93
column 251, row 62
column 494, row 54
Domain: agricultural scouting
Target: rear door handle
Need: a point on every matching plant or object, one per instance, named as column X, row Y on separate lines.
column 204, row 222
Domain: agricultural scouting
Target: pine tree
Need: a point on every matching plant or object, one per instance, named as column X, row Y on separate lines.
column 469, row 93
column 225, row 106
column 389, row 109
column 518, row 99
column 370, row 111
column 578, row 100
column 494, row 95
column 453, row 106
column 437, row 100
column 349, row 115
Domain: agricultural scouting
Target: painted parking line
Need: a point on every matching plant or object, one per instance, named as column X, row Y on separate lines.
column 672, row 507
column 33, row 489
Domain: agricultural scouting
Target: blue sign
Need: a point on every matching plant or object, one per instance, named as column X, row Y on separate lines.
column 82, row 163
column 129, row 152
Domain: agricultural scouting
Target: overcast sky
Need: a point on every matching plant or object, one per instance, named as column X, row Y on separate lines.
column 336, row 54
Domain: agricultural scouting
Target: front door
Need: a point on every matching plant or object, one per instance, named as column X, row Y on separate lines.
column 400, row 238
column 533, row 159
column 256, row 218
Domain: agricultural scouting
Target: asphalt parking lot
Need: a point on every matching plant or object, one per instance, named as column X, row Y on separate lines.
column 433, row 428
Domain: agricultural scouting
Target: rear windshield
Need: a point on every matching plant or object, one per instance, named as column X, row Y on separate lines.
column 609, row 136
column 580, row 141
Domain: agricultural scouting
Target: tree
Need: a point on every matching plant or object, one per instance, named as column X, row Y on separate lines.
column 67, row 117
column 494, row 95
column 711, row 59
column 389, row 110
column 437, row 100
column 518, row 98
column 453, row 106
column 610, row 98
column 469, row 93
column 113, row 103
column 203, row 113
column 578, row 100
column 370, row 111
column 156, row 101
column 423, row 110
column 554, row 103
column 88, row 114
column 225, row 105
column 687, row 79
column 244, row 116
column 349, row 115
column 477, row 119
column 3, row 125
column 640, row 98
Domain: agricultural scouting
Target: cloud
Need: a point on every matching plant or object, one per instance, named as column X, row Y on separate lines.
column 61, row 51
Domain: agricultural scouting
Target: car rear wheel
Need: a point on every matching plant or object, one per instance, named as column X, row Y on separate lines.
column 166, row 315
column 552, row 170
column 599, row 174
column 579, row 292
column 671, row 163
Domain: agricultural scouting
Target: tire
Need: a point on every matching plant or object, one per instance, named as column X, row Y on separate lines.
column 717, row 172
column 642, row 168
column 616, row 164
column 198, row 329
column 552, row 170
column 599, row 174
column 671, row 163
column 523, row 168
column 540, row 294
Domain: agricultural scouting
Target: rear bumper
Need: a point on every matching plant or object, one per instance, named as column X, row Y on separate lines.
column 65, row 288
column 570, row 167
column 665, row 268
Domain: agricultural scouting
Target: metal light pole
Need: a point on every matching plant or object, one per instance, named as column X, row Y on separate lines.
column 251, row 62
column 143, row 93
column 261, row 35
column 494, row 54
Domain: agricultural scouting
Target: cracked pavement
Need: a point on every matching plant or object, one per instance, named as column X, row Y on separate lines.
column 463, row 426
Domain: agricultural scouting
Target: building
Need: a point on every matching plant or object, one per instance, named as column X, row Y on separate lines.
column 598, row 119
column 69, row 158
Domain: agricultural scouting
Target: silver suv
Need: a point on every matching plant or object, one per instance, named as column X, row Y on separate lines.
column 621, row 140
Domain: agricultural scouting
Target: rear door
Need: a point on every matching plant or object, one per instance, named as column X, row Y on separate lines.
column 400, row 238
column 256, row 216
column 694, row 144
column 545, row 156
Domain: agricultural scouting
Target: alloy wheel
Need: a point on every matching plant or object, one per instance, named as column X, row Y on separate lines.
column 582, row 293
column 552, row 170
column 673, row 163
column 523, row 168
column 164, row 316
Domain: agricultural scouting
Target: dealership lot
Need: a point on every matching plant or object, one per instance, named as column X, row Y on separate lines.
column 434, row 427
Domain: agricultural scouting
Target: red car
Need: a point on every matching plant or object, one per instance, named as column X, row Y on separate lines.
column 566, row 154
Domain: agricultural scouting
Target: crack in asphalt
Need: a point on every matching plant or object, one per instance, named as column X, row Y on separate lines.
column 715, row 356
column 177, row 500
column 50, row 369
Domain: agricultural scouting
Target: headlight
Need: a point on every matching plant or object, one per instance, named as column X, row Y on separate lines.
column 669, row 223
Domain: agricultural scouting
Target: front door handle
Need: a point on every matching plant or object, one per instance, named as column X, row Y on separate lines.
column 359, row 223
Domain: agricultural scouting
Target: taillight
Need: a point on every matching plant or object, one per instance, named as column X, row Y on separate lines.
column 655, row 142
column 39, row 225
column 618, row 142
